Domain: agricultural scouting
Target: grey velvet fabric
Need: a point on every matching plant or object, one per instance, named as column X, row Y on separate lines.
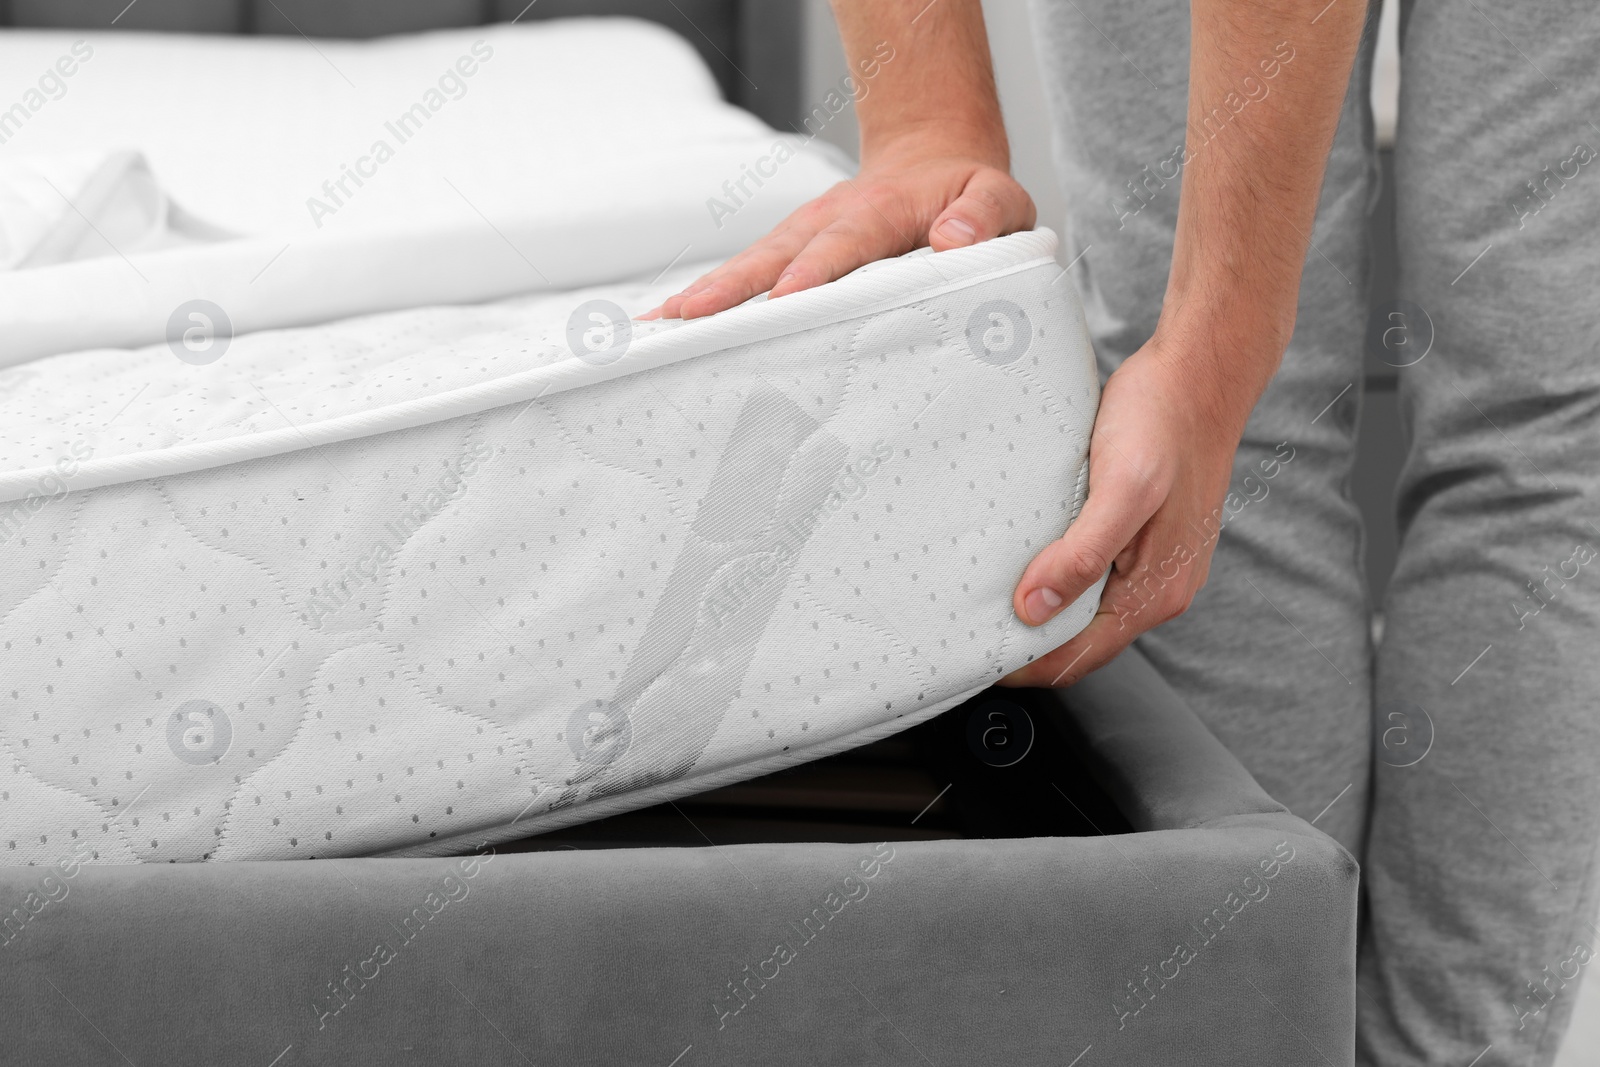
column 1115, row 713
column 1222, row 932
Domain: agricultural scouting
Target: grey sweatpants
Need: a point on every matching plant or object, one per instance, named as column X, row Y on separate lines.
column 1458, row 758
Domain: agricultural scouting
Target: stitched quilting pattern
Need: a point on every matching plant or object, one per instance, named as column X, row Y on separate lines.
column 503, row 621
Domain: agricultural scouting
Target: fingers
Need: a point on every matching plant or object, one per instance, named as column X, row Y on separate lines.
column 750, row 272
column 1102, row 641
column 990, row 206
column 1121, row 499
column 870, row 223
column 795, row 259
column 852, row 241
column 747, row 274
column 854, row 224
column 755, row 269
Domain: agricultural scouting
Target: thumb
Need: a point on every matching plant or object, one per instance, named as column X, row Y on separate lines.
column 991, row 205
column 1120, row 502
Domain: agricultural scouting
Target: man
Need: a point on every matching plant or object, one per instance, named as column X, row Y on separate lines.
column 1231, row 322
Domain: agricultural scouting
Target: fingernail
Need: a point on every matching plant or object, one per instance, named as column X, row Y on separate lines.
column 1042, row 605
column 783, row 278
column 957, row 231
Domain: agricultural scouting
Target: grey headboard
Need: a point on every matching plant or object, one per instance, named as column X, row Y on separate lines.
column 752, row 46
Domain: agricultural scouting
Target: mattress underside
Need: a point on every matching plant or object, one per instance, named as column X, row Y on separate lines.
column 542, row 612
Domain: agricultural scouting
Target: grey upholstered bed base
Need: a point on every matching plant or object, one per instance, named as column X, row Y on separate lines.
column 1222, row 931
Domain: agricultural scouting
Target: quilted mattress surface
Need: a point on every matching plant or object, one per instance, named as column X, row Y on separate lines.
column 416, row 581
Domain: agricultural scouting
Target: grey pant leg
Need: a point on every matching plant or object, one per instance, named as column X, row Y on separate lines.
column 1275, row 654
column 1480, row 869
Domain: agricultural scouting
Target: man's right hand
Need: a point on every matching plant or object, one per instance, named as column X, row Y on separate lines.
column 925, row 194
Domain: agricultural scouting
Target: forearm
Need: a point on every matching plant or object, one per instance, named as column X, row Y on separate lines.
column 938, row 87
column 1266, row 85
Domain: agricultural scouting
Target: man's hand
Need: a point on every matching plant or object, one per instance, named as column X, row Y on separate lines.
column 909, row 195
column 935, row 164
column 934, row 171
column 1172, row 415
column 1159, row 464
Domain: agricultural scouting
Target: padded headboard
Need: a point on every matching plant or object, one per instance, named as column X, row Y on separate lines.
column 752, row 46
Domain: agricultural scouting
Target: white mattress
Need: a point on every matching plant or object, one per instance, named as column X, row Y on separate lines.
column 414, row 581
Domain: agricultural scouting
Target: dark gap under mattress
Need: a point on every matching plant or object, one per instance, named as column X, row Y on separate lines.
column 1009, row 772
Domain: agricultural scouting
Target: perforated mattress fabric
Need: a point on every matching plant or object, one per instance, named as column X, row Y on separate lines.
column 418, row 581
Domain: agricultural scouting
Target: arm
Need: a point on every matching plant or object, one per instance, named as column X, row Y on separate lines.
column 934, row 161
column 1172, row 415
